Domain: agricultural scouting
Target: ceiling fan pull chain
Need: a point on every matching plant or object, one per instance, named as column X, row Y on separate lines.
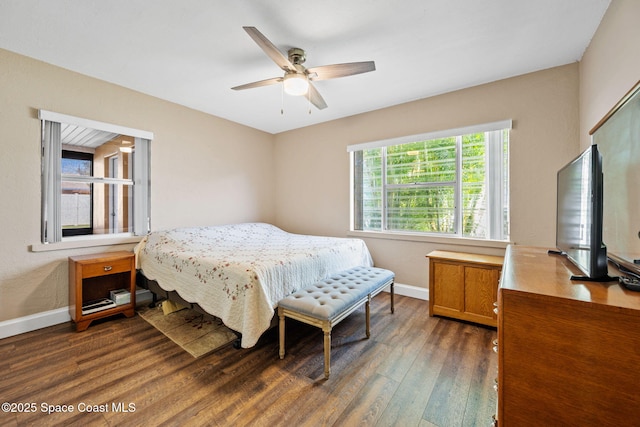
column 309, row 96
column 282, row 100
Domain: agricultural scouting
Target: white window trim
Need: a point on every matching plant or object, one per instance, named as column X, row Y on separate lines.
column 405, row 236
column 427, row 237
column 88, row 123
column 75, row 242
column 486, row 127
column 100, row 239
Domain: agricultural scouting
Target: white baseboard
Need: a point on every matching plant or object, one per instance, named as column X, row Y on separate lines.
column 32, row 322
column 410, row 291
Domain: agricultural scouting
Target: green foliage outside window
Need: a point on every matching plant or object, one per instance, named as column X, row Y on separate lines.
column 419, row 190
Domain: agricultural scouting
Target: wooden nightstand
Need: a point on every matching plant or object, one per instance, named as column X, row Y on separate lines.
column 92, row 277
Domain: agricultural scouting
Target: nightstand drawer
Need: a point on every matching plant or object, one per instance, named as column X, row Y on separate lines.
column 103, row 268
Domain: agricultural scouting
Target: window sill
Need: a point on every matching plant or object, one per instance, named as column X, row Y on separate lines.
column 86, row 242
column 422, row 238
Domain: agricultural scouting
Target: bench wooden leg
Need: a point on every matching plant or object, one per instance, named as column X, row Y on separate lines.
column 281, row 326
column 367, row 310
column 392, row 294
column 327, row 350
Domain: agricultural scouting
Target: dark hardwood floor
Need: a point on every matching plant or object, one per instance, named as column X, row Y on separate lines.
column 413, row 371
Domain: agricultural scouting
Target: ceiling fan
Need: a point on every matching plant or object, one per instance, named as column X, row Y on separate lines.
column 297, row 79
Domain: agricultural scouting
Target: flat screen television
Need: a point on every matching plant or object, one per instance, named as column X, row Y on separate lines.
column 579, row 215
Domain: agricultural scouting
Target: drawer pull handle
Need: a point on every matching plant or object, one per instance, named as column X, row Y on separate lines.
column 107, row 268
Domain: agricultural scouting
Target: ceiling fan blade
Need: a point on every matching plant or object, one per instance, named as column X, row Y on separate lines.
column 315, row 98
column 267, row 82
column 268, row 48
column 325, row 72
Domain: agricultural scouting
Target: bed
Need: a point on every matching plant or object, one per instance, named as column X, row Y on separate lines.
column 239, row 272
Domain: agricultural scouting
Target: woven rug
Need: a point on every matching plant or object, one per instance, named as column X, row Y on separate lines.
column 198, row 335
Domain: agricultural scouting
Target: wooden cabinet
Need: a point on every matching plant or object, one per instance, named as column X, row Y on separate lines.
column 568, row 351
column 464, row 286
column 92, row 277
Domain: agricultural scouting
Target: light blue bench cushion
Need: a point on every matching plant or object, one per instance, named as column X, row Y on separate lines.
column 327, row 298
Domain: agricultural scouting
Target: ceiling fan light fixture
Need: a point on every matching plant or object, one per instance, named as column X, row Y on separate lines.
column 295, row 84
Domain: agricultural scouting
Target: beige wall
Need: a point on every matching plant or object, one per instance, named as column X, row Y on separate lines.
column 205, row 170
column 553, row 111
column 610, row 67
column 312, row 164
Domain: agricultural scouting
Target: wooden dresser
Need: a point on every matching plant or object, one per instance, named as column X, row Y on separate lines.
column 568, row 351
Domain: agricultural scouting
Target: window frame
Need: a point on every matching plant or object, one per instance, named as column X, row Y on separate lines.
column 498, row 224
column 51, row 192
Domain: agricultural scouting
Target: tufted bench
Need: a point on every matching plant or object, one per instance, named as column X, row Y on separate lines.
column 325, row 303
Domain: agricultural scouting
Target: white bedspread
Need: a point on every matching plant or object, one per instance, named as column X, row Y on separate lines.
column 240, row 272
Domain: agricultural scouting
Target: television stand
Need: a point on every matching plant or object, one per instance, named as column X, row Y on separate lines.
column 583, row 278
column 567, row 351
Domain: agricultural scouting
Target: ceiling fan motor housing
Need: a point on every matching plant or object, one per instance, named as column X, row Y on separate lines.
column 296, row 55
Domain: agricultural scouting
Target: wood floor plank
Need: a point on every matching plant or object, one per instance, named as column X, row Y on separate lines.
column 414, row 370
column 448, row 401
column 482, row 399
column 406, row 341
column 367, row 407
column 68, row 379
column 410, row 400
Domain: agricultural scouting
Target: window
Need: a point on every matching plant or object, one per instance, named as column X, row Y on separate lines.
column 452, row 183
column 95, row 178
column 77, row 195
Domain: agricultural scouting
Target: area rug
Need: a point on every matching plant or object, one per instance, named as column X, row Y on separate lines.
column 198, row 335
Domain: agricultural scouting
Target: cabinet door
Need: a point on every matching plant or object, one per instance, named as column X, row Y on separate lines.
column 481, row 291
column 448, row 288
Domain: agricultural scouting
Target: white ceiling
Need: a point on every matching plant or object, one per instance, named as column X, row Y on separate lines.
column 192, row 52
